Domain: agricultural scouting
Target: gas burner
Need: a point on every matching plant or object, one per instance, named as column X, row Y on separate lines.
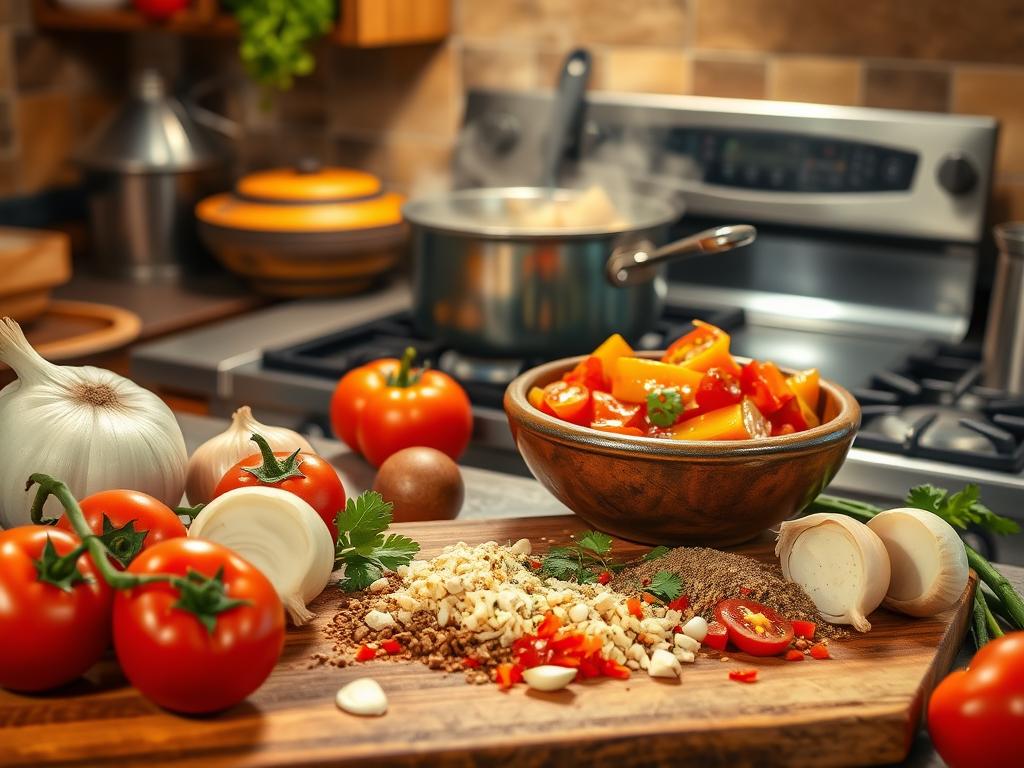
column 931, row 408
column 484, row 379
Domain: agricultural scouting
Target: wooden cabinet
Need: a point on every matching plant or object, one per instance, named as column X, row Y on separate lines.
column 360, row 23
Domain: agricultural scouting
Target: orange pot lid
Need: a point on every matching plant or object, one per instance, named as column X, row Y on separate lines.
column 307, row 198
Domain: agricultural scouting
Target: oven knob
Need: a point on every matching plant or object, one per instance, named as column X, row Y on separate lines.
column 956, row 174
column 500, row 132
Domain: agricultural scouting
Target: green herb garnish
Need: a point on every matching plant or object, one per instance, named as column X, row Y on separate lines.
column 664, row 407
column 583, row 561
column 362, row 546
column 960, row 509
column 665, row 586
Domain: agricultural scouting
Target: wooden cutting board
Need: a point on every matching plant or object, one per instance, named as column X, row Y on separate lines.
column 862, row 707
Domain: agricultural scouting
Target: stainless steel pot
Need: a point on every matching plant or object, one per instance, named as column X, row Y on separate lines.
column 1004, row 335
column 487, row 288
column 146, row 169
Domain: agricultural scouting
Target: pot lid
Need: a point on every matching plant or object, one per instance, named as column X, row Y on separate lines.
column 308, row 182
column 151, row 132
column 306, row 198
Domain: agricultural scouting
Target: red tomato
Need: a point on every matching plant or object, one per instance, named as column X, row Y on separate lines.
column 350, row 396
column 975, row 716
column 432, row 411
column 717, row 637
column 170, row 655
column 50, row 635
column 567, row 401
column 146, row 521
column 160, row 9
column 754, row 628
column 310, row 477
column 717, row 389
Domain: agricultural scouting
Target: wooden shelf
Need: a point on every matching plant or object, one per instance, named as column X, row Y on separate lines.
column 361, row 23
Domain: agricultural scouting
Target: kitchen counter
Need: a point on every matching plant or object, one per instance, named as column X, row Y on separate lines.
column 491, row 494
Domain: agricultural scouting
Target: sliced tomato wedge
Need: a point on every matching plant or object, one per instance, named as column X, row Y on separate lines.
column 568, row 401
column 754, row 628
column 766, row 386
column 589, row 373
column 703, row 348
column 718, row 389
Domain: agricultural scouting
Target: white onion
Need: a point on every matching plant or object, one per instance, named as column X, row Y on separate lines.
column 841, row 564
column 221, row 452
column 929, row 562
column 86, row 426
column 280, row 534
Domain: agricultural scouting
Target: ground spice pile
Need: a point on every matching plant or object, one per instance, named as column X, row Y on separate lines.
column 709, row 576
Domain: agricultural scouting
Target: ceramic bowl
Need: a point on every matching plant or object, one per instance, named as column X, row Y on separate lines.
column 661, row 491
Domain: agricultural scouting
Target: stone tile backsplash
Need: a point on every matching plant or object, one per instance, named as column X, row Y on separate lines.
column 396, row 111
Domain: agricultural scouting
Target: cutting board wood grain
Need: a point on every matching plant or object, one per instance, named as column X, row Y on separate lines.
column 861, row 707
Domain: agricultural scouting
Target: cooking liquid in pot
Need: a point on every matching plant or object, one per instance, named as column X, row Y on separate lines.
column 591, row 208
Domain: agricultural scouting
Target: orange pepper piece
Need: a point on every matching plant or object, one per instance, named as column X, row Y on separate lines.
column 702, row 348
column 611, row 349
column 636, row 377
column 734, row 422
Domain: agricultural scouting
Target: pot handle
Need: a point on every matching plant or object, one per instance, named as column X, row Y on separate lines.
column 635, row 262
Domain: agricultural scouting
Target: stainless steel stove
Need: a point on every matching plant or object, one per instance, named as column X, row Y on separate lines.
column 869, row 262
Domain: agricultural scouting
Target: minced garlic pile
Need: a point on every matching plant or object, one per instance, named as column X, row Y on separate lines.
column 488, row 595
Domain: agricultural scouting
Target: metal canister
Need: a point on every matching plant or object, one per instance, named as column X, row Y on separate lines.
column 1004, row 334
column 146, row 168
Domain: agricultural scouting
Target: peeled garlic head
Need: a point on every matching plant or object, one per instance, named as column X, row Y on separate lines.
column 841, row 564
column 929, row 562
column 221, row 452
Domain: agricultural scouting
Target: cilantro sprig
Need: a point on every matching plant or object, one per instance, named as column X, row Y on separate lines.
column 960, row 509
column 665, row 586
column 664, row 407
column 363, row 548
column 584, row 560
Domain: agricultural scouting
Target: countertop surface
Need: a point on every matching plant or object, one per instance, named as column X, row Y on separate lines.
column 492, row 494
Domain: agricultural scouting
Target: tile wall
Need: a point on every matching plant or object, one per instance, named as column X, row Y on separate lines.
column 396, row 111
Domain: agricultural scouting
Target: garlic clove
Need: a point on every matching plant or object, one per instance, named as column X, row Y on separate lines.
column 687, row 643
column 841, row 564
column 548, row 677
column 929, row 562
column 363, row 697
column 697, row 628
column 217, row 455
column 664, row 664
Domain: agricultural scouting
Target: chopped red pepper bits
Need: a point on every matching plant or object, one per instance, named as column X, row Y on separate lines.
column 804, row 629
column 677, row 630
column 794, row 655
column 743, row 675
column 635, row 608
column 535, row 564
column 507, row 675
column 745, row 591
column 470, row 663
column 717, row 637
column 552, row 645
column 645, row 582
column 366, row 653
column 391, row 646
column 820, row 651
column 604, row 577
column 681, row 603
column 649, row 598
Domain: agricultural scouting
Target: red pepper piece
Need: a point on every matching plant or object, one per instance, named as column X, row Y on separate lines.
column 635, row 608
column 366, row 653
column 804, row 629
column 677, row 630
column 589, row 373
column 604, row 577
column 743, row 675
column 820, row 651
column 649, row 598
column 508, row 674
column 681, row 603
column 391, row 646
column 470, row 663
column 717, row 637
column 611, row 668
column 549, row 625
column 794, row 655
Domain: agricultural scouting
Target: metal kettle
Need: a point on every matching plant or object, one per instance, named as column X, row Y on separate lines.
column 146, row 168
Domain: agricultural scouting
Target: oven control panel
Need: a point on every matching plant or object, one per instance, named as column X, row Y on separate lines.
column 872, row 171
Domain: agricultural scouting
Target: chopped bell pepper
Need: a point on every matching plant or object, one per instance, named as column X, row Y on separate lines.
column 743, row 675
column 717, row 637
column 611, row 411
column 804, row 629
column 635, row 608
column 807, row 386
column 794, row 414
column 703, row 348
column 610, row 351
column 617, row 428
column 536, row 398
column 820, row 651
column 718, row 389
column 742, row 421
column 793, row 655
column 636, row 377
column 589, row 373
column 507, row 675
column 766, row 386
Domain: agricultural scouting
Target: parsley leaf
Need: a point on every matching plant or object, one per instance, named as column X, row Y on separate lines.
column 597, row 542
column 960, row 509
column 654, row 554
column 665, row 586
column 363, row 548
column 583, row 561
column 664, row 407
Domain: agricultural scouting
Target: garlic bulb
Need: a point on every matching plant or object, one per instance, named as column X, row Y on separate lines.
column 86, row 426
column 221, row 452
column 929, row 562
column 277, row 532
column 841, row 564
